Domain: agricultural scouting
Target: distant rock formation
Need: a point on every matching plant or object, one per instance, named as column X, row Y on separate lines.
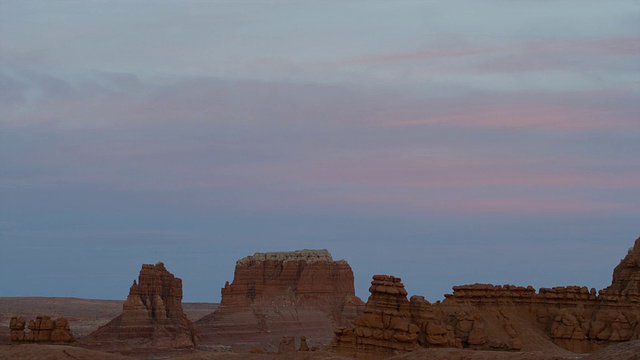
column 41, row 330
column 152, row 314
column 490, row 317
column 283, row 294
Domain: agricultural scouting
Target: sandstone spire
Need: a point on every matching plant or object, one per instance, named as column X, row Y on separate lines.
column 152, row 313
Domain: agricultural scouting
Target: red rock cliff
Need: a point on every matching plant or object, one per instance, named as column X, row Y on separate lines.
column 273, row 294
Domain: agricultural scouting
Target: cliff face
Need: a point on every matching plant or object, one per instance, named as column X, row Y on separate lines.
column 502, row 317
column 152, row 314
column 283, row 294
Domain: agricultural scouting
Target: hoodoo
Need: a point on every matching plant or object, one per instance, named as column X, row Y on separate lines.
column 152, row 314
column 41, row 330
column 385, row 327
column 280, row 294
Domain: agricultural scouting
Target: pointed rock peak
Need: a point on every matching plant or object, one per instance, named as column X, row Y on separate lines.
column 152, row 312
column 626, row 276
column 636, row 247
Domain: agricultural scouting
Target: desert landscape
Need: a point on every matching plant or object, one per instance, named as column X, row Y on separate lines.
column 314, row 179
column 302, row 305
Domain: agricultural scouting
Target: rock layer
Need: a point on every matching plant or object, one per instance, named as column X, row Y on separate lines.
column 283, row 294
column 152, row 315
column 498, row 317
column 41, row 330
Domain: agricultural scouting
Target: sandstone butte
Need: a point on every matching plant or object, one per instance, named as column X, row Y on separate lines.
column 41, row 330
column 152, row 315
column 490, row 317
column 276, row 294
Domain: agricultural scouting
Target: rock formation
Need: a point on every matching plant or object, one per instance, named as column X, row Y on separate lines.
column 385, row 326
column 283, row 294
column 498, row 317
column 303, row 344
column 41, row 330
column 152, row 314
column 625, row 286
column 287, row 345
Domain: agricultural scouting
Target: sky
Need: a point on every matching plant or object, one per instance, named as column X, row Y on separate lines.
column 444, row 142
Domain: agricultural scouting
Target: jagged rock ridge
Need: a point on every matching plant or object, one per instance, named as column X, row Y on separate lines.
column 498, row 317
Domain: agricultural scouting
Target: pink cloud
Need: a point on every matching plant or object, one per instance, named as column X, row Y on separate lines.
column 415, row 56
column 555, row 55
column 611, row 46
column 558, row 117
column 399, row 202
column 456, row 171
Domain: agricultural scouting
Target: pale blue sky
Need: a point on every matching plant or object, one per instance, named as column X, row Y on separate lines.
column 445, row 142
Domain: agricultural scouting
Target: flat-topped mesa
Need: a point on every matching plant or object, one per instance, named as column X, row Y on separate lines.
column 296, row 277
column 625, row 285
column 385, row 326
column 279, row 294
column 153, row 311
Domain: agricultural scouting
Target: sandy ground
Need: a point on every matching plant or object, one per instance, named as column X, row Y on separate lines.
column 624, row 351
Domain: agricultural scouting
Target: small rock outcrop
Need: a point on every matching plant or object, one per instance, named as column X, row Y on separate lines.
column 152, row 315
column 41, row 330
column 281, row 293
column 303, row 344
column 287, row 345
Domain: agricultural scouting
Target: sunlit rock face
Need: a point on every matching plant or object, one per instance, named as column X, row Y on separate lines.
column 297, row 293
column 152, row 315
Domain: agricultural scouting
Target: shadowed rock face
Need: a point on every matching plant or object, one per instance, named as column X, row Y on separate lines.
column 283, row 294
column 502, row 317
column 152, row 313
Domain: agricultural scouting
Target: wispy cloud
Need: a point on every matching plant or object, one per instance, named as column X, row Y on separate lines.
column 415, row 56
